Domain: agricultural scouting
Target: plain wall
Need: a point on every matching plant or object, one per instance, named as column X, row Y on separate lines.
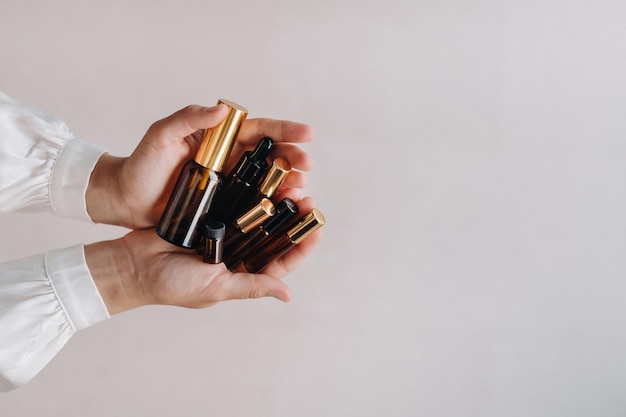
column 470, row 160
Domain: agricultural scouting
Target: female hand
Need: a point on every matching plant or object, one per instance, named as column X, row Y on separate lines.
column 141, row 268
column 133, row 191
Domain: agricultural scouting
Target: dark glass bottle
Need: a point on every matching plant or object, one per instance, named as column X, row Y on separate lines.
column 213, row 241
column 285, row 211
column 251, row 220
column 240, row 186
column 280, row 244
column 271, row 183
column 199, row 181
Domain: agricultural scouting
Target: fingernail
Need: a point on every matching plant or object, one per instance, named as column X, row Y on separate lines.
column 282, row 296
column 215, row 109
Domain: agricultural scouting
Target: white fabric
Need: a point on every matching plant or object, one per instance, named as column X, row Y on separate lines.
column 32, row 143
column 44, row 299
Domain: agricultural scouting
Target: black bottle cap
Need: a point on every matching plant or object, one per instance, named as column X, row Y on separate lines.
column 253, row 164
column 284, row 211
column 211, row 229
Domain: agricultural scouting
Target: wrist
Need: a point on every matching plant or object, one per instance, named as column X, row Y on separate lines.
column 102, row 195
column 112, row 269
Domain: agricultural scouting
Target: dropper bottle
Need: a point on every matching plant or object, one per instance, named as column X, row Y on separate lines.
column 240, row 185
column 271, row 183
column 199, row 180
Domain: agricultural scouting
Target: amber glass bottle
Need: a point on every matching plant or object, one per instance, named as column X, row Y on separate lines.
column 280, row 244
column 241, row 183
column 212, row 241
column 285, row 211
column 249, row 221
column 199, row 180
column 271, row 183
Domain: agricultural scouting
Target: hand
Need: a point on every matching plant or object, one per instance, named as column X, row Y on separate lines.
column 141, row 269
column 133, row 191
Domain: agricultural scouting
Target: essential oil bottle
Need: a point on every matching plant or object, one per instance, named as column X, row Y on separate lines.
column 247, row 222
column 241, row 183
column 280, row 244
column 212, row 241
column 285, row 211
column 271, row 183
column 199, row 180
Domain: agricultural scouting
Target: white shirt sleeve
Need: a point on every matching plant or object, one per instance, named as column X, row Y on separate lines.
column 44, row 299
column 43, row 167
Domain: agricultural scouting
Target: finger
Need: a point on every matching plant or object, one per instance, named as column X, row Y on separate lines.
column 198, row 135
column 298, row 158
column 288, row 192
column 242, row 285
column 306, row 204
column 187, row 121
column 283, row 266
column 295, row 179
column 253, row 130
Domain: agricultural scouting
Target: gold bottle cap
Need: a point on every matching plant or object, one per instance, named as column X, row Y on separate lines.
column 307, row 225
column 257, row 215
column 275, row 177
column 219, row 140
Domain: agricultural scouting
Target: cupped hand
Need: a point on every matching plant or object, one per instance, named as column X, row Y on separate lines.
column 133, row 191
column 141, row 268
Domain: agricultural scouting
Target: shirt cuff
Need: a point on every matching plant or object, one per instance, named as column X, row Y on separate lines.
column 74, row 287
column 70, row 177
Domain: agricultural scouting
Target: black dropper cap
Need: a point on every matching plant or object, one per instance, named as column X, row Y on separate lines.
column 284, row 211
column 253, row 164
column 211, row 229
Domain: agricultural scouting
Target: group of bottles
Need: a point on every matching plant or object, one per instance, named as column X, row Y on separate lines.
column 234, row 219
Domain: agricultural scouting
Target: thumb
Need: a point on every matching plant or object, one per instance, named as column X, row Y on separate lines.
column 187, row 121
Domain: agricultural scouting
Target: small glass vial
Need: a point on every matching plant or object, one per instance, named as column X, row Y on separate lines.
column 280, row 244
column 213, row 241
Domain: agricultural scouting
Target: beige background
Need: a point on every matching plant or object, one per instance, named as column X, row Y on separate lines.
column 470, row 162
